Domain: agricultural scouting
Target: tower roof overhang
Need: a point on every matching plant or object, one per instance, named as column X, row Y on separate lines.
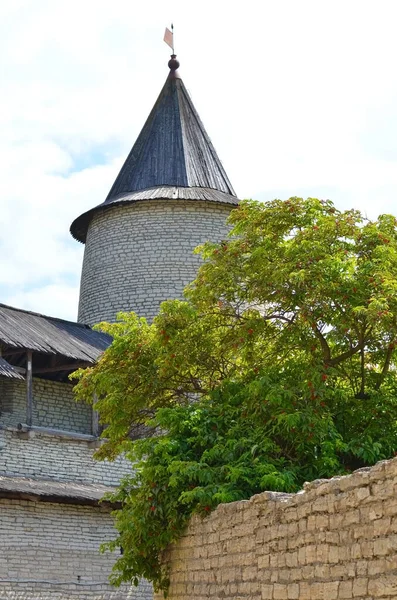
column 79, row 227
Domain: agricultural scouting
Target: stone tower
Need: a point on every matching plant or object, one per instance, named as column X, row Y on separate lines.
column 171, row 195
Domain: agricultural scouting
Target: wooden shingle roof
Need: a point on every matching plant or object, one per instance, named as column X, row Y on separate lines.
column 48, row 335
column 173, row 157
column 7, row 370
column 68, row 492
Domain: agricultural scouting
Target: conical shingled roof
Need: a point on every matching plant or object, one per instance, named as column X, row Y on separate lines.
column 173, row 158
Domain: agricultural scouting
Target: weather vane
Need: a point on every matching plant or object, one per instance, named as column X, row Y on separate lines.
column 169, row 37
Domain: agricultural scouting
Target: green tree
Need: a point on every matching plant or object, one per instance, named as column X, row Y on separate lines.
column 279, row 367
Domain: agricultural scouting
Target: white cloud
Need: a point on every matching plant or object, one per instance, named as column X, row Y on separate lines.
column 44, row 299
column 298, row 97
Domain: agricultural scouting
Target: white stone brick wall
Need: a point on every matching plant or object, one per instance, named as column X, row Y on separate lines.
column 51, row 457
column 54, row 405
column 51, row 551
column 45, row 548
column 139, row 254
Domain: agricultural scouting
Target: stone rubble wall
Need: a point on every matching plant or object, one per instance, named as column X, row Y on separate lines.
column 51, row 551
column 336, row 539
column 140, row 254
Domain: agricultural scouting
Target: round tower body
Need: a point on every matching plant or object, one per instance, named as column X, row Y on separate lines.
column 140, row 254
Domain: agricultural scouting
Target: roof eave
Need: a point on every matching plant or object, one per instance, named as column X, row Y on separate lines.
column 79, row 227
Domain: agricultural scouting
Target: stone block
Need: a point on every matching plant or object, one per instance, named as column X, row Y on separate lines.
column 322, row 572
column 382, row 490
column 304, row 591
column 267, row 591
column 322, row 522
column 355, row 550
column 291, row 559
column 317, row 591
column 381, row 546
column 381, row 526
column 383, row 586
column 351, row 517
column 250, row 573
column 280, row 591
column 360, row 586
column 390, row 507
column 293, row 591
column 322, row 552
column 311, row 552
column 331, row 589
column 345, row 590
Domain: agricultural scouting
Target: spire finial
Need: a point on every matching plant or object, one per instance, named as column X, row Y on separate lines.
column 173, row 63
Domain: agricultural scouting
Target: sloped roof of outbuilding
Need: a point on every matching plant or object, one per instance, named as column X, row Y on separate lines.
column 49, row 335
column 173, row 158
column 7, row 370
column 68, row 492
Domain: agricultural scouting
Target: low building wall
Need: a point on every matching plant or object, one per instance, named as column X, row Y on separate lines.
column 51, row 551
column 54, row 405
column 50, row 457
column 336, row 539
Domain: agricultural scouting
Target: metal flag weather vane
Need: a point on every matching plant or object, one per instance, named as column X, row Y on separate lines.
column 169, row 37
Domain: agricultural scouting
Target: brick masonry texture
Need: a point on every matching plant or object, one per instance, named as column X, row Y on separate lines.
column 51, row 551
column 45, row 547
column 48, row 456
column 335, row 540
column 138, row 255
column 53, row 405
column 51, row 457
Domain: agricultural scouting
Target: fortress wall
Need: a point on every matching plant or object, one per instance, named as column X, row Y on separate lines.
column 54, row 405
column 139, row 254
column 336, row 539
column 51, row 457
column 51, row 551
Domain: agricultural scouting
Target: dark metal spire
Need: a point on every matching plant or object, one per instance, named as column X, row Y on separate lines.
column 173, row 153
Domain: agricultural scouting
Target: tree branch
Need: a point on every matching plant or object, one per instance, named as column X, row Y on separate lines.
column 386, row 366
column 324, row 344
column 338, row 359
column 362, row 372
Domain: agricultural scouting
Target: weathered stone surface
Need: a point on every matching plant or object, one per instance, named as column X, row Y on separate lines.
column 51, row 551
column 336, row 540
column 139, row 254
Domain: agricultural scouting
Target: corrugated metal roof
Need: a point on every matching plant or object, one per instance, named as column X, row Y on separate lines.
column 7, row 370
column 66, row 491
column 32, row 331
column 173, row 155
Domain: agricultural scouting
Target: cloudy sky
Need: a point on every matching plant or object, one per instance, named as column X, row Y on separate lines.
column 299, row 98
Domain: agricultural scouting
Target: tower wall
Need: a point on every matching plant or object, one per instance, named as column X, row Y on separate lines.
column 140, row 254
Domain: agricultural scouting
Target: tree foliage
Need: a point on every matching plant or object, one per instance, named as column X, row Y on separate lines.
column 279, row 367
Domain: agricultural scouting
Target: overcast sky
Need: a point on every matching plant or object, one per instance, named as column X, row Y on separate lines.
column 298, row 97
